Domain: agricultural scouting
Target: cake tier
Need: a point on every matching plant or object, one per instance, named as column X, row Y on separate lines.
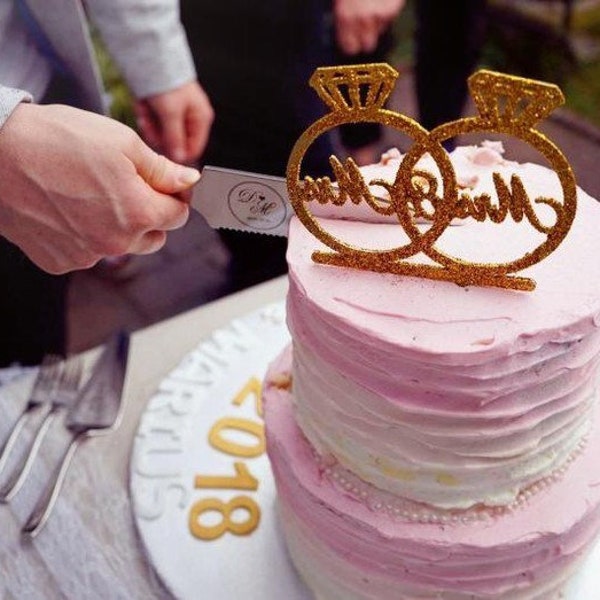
column 454, row 396
column 349, row 547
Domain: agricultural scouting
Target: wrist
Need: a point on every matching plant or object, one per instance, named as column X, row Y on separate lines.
column 10, row 99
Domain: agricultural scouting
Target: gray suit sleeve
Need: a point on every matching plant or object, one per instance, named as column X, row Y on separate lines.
column 147, row 41
column 10, row 98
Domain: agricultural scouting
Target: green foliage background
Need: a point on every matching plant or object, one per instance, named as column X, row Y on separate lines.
column 122, row 101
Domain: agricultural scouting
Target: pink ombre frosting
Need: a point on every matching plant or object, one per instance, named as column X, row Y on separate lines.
column 443, row 394
column 347, row 549
column 441, row 401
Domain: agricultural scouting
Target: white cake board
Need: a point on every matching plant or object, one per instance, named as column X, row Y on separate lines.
column 172, row 448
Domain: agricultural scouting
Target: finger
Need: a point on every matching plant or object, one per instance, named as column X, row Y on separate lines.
column 368, row 35
column 160, row 173
column 166, row 212
column 176, row 214
column 146, row 124
column 174, row 134
column 150, row 242
column 198, row 124
column 185, row 196
column 348, row 41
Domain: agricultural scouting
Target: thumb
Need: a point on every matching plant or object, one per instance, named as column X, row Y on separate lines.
column 162, row 174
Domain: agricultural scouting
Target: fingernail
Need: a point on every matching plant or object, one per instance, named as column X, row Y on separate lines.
column 188, row 176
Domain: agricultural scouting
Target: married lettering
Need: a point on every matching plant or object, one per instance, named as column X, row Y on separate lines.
column 422, row 197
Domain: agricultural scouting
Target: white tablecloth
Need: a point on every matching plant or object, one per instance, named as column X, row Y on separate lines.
column 89, row 547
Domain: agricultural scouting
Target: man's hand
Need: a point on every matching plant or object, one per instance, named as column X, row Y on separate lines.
column 76, row 187
column 176, row 122
column 359, row 23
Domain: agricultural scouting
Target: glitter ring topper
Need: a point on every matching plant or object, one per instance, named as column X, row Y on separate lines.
column 506, row 105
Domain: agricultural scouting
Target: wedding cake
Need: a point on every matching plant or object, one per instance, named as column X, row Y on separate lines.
column 436, row 440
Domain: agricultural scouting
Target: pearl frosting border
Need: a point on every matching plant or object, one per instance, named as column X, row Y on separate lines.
column 403, row 509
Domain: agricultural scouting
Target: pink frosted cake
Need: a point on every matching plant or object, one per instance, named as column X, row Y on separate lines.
column 436, row 441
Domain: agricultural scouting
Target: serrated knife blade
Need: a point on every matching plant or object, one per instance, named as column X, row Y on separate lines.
column 244, row 201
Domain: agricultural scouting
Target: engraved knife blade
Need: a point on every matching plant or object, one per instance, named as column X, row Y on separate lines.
column 243, row 201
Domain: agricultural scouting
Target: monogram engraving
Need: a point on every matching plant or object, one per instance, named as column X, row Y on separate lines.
column 257, row 205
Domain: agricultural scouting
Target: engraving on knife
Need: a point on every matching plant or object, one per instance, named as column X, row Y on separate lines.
column 257, row 205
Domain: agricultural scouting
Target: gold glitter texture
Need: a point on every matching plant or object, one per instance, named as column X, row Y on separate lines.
column 506, row 105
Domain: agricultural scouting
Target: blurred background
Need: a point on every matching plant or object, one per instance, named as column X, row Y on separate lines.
column 551, row 40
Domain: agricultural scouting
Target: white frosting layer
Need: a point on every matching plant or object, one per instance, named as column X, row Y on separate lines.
column 346, row 547
column 440, row 459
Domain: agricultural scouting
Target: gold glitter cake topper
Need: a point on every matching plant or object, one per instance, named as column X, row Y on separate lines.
column 506, row 105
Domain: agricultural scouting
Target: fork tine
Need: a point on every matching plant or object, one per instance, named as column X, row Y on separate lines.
column 42, row 387
column 72, row 372
column 48, row 375
column 63, row 390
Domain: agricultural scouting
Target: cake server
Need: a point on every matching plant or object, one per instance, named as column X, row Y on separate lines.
column 95, row 410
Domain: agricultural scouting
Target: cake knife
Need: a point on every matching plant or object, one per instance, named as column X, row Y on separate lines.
column 243, row 201
column 258, row 203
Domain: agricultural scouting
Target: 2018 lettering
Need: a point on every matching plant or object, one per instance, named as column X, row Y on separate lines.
column 242, row 479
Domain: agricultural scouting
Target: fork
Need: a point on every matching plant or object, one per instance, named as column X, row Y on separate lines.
column 43, row 386
column 63, row 395
column 94, row 411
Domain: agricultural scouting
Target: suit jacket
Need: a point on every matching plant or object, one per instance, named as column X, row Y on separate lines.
column 144, row 37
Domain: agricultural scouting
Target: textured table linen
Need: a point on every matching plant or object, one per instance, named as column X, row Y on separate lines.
column 89, row 547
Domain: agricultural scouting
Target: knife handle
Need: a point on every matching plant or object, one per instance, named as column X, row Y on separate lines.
column 43, row 507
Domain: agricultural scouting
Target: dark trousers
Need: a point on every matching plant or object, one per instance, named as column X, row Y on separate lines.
column 359, row 135
column 449, row 37
column 254, row 60
column 32, row 309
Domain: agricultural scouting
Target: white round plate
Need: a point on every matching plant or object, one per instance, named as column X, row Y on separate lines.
column 172, row 449
column 212, row 395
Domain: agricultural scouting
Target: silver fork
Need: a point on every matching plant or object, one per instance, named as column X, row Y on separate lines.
column 43, row 386
column 63, row 395
column 95, row 411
